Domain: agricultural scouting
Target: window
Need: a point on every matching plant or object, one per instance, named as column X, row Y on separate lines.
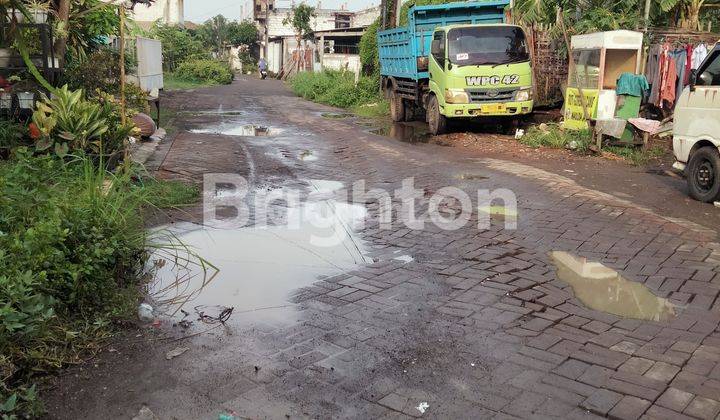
column 709, row 72
column 438, row 48
column 477, row 45
column 585, row 73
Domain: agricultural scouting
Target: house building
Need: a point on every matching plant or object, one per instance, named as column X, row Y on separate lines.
column 170, row 12
column 278, row 42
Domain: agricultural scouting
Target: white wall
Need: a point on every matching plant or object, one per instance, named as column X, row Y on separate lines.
column 365, row 17
column 324, row 20
column 340, row 61
column 168, row 11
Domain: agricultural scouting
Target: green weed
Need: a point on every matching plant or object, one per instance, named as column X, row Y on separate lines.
column 554, row 136
column 337, row 88
column 636, row 155
column 73, row 246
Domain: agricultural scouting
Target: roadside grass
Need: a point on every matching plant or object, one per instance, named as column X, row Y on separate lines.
column 172, row 82
column 73, row 249
column 377, row 109
column 338, row 88
column 554, row 136
column 636, row 155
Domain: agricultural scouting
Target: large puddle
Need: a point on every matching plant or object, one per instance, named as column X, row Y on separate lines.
column 604, row 289
column 254, row 270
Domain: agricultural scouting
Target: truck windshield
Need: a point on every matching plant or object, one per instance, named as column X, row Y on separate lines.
column 487, row 45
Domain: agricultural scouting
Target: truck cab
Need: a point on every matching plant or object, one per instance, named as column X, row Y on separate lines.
column 478, row 71
column 459, row 61
column 696, row 130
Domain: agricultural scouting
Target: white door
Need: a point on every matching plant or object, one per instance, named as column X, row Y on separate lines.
column 697, row 112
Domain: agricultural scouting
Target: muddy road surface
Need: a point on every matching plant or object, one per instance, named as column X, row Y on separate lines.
column 341, row 311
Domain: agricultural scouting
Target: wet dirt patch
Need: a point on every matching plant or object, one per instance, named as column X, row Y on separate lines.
column 405, row 132
column 244, row 130
column 604, row 289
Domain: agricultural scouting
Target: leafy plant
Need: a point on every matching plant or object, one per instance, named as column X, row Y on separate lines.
column 12, row 135
column 179, row 45
column 72, row 249
column 70, row 123
column 88, row 21
column 205, row 71
column 369, row 57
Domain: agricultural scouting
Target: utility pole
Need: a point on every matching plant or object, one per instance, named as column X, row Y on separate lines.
column 267, row 30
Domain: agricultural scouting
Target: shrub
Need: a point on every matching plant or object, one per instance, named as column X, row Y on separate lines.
column 99, row 73
column 179, row 45
column 369, row 50
column 211, row 71
column 12, row 135
column 72, row 250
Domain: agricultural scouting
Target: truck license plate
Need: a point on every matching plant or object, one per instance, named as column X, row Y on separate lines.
column 492, row 108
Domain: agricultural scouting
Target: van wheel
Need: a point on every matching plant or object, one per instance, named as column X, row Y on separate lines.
column 703, row 174
column 436, row 120
column 397, row 107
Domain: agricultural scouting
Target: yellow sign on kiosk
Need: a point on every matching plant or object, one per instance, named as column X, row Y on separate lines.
column 574, row 117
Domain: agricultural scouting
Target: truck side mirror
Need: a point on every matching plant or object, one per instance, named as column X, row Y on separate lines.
column 693, row 77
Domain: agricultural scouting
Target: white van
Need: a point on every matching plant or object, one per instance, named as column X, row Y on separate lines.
column 696, row 132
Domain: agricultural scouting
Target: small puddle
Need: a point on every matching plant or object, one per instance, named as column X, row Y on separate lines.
column 408, row 133
column 499, row 212
column 246, row 130
column 336, row 115
column 472, row 177
column 604, row 289
column 307, row 156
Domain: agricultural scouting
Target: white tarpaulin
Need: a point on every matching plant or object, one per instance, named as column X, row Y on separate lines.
column 149, row 57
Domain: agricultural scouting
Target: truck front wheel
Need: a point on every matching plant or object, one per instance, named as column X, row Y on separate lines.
column 397, row 107
column 703, row 174
column 436, row 120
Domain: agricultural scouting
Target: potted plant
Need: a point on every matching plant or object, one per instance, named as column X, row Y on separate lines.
column 19, row 17
column 25, row 92
column 39, row 10
column 6, row 56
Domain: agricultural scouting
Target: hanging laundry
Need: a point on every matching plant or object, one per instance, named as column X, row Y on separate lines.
column 652, row 72
column 680, row 57
column 668, row 84
column 698, row 55
column 688, row 64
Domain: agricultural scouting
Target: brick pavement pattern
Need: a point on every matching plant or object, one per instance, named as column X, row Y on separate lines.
column 477, row 325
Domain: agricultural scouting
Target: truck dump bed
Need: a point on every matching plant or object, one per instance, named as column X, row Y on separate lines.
column 399, row 48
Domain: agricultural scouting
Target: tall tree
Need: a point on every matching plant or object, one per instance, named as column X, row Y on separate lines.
column 299, row 18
